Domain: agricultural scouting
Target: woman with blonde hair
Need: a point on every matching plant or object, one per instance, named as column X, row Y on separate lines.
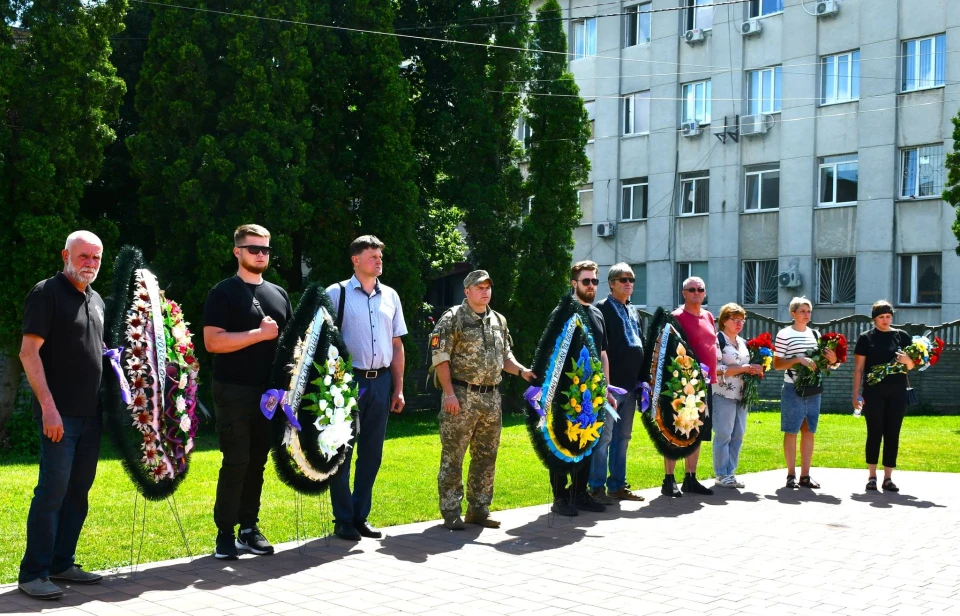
column 729, row 411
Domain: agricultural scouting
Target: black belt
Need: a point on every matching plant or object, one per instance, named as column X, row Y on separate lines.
column 482, row 389
column 370, row 374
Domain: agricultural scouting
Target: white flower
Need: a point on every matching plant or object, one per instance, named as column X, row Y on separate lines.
column 181, row 404
column 327, row 380
column 352, row 402
column 179, row 332
column 675, row 374
column 347, row 377
column 183, row 381
column 331, row 368
column 694, row 373
column 335, row 391
column 683, row 381
column 332, row 352
column 338, row 401
column 333, row 437
column 322, row 405
column 185, row 423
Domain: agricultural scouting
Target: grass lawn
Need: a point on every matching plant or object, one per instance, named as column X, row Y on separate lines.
column 406, row 489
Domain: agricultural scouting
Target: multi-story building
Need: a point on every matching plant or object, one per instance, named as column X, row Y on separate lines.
column 773, row 147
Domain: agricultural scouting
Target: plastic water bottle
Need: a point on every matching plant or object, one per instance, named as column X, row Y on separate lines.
column 856, row 411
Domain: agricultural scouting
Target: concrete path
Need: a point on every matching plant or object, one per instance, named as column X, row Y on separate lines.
column 761, row 550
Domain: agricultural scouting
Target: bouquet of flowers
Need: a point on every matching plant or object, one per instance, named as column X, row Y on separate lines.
column 761, row 352
column 922, row 351
column 814, row 378
column 687, row 386
column 586, row 396
column 333, row 403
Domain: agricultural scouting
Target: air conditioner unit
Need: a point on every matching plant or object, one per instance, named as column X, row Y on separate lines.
column 755, row 124
column 694, row 37
column 690, row 129
column 751, row 27
column 790, row 279
column 605, row 229
column 827, row 8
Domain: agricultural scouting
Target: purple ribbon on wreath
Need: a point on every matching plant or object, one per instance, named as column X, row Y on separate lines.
column 643, row 388
column 706, row 372
column 114, row 356
column 532, row 396
column 268, row 406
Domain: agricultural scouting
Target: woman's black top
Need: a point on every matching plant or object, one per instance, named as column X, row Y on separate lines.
column 880, row 348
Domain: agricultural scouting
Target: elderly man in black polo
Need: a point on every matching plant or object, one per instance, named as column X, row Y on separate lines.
column 62, row 352
column 371, row 321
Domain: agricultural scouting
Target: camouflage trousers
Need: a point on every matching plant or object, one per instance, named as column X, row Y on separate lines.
column 477, row 425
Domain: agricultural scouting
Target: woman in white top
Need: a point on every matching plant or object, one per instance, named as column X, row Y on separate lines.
column 729, row 412
column 793, row 347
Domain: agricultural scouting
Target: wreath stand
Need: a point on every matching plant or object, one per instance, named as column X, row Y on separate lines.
column 174, row 511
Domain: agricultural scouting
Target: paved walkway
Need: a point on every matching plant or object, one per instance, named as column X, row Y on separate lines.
column 761, row 550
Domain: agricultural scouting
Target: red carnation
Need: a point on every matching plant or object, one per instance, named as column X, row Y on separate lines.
column 189, row 359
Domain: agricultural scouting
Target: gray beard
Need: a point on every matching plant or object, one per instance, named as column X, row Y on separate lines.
column 81, row 278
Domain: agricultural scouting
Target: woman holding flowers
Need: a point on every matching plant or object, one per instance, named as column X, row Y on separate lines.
column 728, row 406
column 885, row 402
column 795, row 346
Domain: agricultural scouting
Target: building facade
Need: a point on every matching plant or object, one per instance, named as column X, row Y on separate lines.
column 773, row 147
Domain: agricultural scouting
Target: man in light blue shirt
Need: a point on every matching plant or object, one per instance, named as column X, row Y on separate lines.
column 371, row 324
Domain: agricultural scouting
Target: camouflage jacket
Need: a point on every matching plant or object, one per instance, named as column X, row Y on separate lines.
column 475, row 347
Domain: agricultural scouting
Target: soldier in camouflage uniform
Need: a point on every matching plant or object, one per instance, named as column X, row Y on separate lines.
column 470, row 347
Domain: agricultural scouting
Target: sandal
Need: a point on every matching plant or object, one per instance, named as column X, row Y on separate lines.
column 806, row 482
column 889, row 486
column 872, row 484
column 791, row 481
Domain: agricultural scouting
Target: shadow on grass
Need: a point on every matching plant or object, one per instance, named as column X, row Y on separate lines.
column 887, row 500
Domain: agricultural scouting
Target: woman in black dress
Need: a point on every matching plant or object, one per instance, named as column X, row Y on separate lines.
column 884, row 404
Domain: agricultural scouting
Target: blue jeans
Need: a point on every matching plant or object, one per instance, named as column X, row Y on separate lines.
column 59, row 505
column 612, row 448
column 374, row 408
column 729, row 426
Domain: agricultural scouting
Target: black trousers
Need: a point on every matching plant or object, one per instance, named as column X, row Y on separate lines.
column 884, row 410
column 244, row 435
column 578, row 481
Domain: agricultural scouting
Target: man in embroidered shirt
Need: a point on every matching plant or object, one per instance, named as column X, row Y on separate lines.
column 701, row 334
column 372, row 325
column 625, row 351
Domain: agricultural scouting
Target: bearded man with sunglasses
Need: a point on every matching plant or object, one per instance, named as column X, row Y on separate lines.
column 242, row 319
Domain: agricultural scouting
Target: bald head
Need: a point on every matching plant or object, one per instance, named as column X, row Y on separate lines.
column 82, row 236
column 82, row 253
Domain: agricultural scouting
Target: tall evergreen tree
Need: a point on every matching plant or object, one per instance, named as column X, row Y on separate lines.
column 61, row 96
column 558, row 166
column 952, row 193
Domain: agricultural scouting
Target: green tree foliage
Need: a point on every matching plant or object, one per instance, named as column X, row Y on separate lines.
column 60, row 96
column 558, row 166
column 952, row 193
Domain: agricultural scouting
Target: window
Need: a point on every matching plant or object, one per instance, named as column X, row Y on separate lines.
column 920, row 281
column 759, row 8
column 585, row 38
column 923, row 63
column 590, row 106
column 638, row 24
column 840, row 78
column 526, row 206
column 524, row 132
column 695, row 194
column 921, row 171
column 760, row 282
column 764, row 90
column 696, row 102
column 762, row 188
column 639, row 296
column 585, row 201
column 636, row 113
column 837, row 281
column 839, row 178
column 686, row 270
column 699, row 14
column 633, row 203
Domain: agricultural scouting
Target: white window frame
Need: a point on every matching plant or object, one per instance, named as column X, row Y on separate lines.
column 915, row 61
column 915, row 280
column 632, row 186
column 760, row 171
column 696, row 94
column 835, row 162
column 696, row 180
column 523, row 133
column 580, row 193
column 939, row 170
column 852, row 78
column 758, row 276
column 630, row 102
column 696, row 12
column 834, row 262
column 757, row 102
column 638, row 14
column 759, row 9
column 584, row 38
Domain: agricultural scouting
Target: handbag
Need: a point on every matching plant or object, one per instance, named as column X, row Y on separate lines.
column 912, row 398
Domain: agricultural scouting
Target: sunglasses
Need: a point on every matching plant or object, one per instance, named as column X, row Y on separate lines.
column 588, row 282
column 626, row 280
column 255, row 250
column 695, row 289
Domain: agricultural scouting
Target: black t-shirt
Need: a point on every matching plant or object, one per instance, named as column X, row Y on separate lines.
column 880, row 348
column 597, row 327
column 70, row 322
column 230, row 306
column 625, row 361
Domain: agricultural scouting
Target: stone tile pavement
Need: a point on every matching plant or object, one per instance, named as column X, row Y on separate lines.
column 761, row 550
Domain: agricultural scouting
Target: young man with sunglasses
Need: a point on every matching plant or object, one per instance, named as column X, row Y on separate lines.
column 625, row 351
column 242, row 319
column 701, row 335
